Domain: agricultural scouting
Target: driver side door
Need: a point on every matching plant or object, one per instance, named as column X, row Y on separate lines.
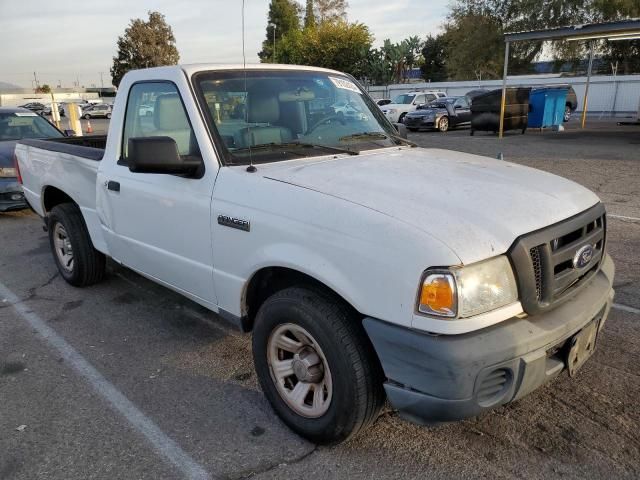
column 160, row 224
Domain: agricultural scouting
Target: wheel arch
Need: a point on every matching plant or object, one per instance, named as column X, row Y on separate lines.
column 268, row 280
column 53, row 196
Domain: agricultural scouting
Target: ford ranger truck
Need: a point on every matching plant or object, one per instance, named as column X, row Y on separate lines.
column 366, row 268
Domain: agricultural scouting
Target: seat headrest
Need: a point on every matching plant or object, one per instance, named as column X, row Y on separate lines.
column 168, row 113
column 263, row 108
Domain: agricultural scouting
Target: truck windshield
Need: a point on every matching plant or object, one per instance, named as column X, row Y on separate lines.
column 19, row 125
column 274, row 115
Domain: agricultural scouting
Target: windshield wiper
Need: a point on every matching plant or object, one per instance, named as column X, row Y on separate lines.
column 286, row 145
column 376, row 136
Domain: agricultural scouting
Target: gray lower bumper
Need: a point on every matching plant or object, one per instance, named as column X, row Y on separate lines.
column 440, row 378
column 11, row 195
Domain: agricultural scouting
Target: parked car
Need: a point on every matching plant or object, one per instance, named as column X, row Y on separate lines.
column 441, row 114
column 571, row 104
column 16, row 124
column 408, row 102
column 384, row 101
column 36, row 107
column 145, row 110
column 348, row 110
column 365, row 267
column 47, row 110
column 101, row 110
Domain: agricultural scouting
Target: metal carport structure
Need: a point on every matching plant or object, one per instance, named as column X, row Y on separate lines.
column 620, row 30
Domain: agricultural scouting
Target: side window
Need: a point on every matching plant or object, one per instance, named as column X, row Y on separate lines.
column 430, row 97
column 462, row 103
column 155, row 109
column 419, row 100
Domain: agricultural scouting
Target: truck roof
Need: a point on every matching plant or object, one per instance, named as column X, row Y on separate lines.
column 190, row 69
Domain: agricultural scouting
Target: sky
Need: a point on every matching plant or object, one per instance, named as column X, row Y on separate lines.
column 65, row 41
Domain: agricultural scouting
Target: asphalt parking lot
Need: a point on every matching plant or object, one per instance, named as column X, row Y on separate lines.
column 142, row 383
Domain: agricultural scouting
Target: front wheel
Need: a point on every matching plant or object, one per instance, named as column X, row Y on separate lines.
column 443, row 124
column 108, row 115
column 316, row 365
column 79, row 263
column 87, row 117
column 567, row 113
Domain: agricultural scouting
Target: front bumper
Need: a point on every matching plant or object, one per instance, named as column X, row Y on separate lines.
column 433, row 379
column 11, row 195
column 419, row 122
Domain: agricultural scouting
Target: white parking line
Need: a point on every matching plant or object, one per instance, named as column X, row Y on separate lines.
column 622, row 217
column 626, row 308
column 162, row 444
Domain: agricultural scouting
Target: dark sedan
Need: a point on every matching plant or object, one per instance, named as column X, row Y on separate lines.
column 16, row 124
column 441, row 114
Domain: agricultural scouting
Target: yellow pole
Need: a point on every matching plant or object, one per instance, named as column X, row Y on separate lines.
column 585, row 101
column 504, row 89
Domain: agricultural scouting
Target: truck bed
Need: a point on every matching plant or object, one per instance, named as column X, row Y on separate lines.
column 69, row 165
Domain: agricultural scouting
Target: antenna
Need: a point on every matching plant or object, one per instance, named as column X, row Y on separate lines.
column 250, row 168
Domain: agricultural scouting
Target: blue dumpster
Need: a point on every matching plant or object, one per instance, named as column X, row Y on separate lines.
column 547, row 106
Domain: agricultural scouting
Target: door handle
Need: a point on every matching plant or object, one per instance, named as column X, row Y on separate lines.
column 113, row 186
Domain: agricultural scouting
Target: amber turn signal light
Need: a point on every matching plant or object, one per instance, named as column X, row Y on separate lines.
column 438, row 295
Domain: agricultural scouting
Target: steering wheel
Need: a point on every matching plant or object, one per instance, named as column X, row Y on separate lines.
column 339, row 117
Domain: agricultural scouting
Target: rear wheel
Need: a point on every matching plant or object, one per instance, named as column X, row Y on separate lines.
column 108, row 115
column 443, row 124
column 567, row 113
column 79, row 263
column 316, row 365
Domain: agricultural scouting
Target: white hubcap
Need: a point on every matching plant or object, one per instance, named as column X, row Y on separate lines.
column 63, row 248
column 299, row 370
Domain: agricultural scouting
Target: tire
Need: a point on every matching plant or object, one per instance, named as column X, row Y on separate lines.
column 87, row 117
column 401, row 118
column 352, row 391
column 443, row 124
column 108, row 115
column 66, row 228
column 567, row 113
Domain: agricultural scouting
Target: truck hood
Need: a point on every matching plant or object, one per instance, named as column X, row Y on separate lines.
column 475, row 205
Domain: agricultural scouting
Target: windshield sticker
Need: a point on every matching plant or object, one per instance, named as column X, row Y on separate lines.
column 25, row 114
column 345, row 84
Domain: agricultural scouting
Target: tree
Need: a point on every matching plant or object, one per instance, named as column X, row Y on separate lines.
column 143, row 45
column 476, row 48
column 434, row 67
column 331, row 10
column 337, row 44
column 309, row 15
column 43, row 89
column 284, row 17
column 625, row 54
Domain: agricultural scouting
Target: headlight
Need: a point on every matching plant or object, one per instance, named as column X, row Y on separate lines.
column 468, row 291
column 8, row 172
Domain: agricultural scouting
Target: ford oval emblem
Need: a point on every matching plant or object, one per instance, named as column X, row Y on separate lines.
column 583, row 257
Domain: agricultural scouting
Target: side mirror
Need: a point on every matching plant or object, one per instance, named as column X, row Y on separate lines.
column 402, row 130
column 158, row 155
column 69, row 133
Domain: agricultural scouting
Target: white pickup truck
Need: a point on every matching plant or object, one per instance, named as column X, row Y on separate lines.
column 366, row 268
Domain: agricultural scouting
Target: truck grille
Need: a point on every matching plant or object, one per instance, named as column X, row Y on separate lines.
column 546, row 264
